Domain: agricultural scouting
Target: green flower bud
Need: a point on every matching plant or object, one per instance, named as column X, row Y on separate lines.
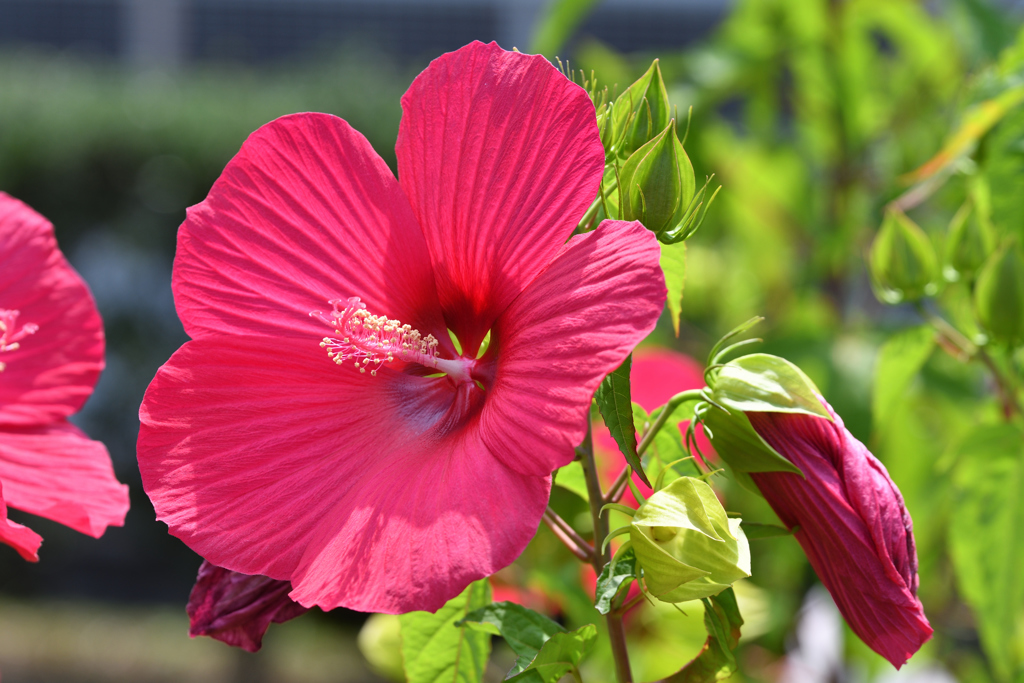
column 999, row 294
column 658, row 184
column 638, row 114
column 969, row 242
column 686, row 545
column 903, row 262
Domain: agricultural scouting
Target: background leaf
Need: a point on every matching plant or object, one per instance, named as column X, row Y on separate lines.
column 987, row 540
column 613, row 400
column 572, row 478
column 524, row 630
column 557, row 24
column 436, row 651
column 899, row 361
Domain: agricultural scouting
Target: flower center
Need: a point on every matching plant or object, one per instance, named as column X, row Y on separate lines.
column 369, row 341
column 10, row 335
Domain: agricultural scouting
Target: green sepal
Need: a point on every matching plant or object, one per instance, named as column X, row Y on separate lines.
column 764, row 383
column 740, row 446
column 687, row 504
column 902, row 260
column 434, row 650
column 639, row 113
column 658, row 183
column 560, row 654
column 613, row 401
column 999, row 294
column 615, row 575
column 523, row 629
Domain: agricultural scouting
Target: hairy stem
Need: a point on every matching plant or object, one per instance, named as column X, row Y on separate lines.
column 616, row 632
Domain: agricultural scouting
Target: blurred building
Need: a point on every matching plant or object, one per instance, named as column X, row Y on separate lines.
column 167, row 33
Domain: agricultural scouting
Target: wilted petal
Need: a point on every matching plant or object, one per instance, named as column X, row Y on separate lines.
column 238, row 608
column 499, row 155
column 854, row 527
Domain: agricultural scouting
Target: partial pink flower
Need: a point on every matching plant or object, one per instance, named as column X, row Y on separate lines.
column 237, row 608
column 853, row 526
column 51, row 354
column 328, row 450
column 657, row 374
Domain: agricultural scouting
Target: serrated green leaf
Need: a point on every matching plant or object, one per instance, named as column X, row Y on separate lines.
column 673, row 265
column 613, row 400
column 561, row 654
column 572, row 478
column 741, row 447
column 612, row 579
column 524, row 630
column 716, row 661
column 761, row 382
column 899, row 361
column 755, row 530
column 436, row 651
column 987, row 539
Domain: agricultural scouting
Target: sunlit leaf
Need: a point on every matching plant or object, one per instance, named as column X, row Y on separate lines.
column 560, row 654
column 716, row 661
column 673, row 265
column 436, row 651
column 572, row 478
column 613, row 578
column 524, row 630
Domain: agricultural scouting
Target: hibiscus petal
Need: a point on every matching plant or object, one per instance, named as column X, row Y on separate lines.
column 573, row 324
column 54, row 370
column 238, row 608
column 304, row 213
column 369, row 493
column 500, row 157
column 59, row 473
column 19, row 537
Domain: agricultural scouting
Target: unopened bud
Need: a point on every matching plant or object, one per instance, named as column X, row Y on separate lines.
column 638, row 114
column 658, row 184
column 999, row 294
column 685, row 543
column 969, row 242
column 903, row 262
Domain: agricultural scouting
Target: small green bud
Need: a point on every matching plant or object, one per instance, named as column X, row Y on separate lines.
column 903, row 262
column 658, row 184
column 638, row 114
column 999, row 294
column 686, row 545
column 969, row 242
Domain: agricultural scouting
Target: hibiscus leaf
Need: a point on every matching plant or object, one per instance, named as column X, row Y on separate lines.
column 612, row 579
column 986, row 537
column 435, row 650
column 673, row 265
column 613, row 400
column 716, row 661
column 899, row 361
column 524, row 630
column 560, row 654
column 760, row 382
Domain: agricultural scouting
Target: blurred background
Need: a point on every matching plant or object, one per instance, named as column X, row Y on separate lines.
column 115, row 115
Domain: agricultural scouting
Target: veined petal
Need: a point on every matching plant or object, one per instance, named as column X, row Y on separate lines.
column 19, row 537
column 500, row 157
column 59, row 473
column 305, row 212
column 53, row 370
column 372, row 493
column 573, row 324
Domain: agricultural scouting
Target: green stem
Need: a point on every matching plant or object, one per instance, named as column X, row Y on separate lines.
column 616, row 632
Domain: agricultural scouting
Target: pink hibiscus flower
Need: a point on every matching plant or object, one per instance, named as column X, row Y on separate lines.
column 853, row 526
column 51, row 354
column 371, row 482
